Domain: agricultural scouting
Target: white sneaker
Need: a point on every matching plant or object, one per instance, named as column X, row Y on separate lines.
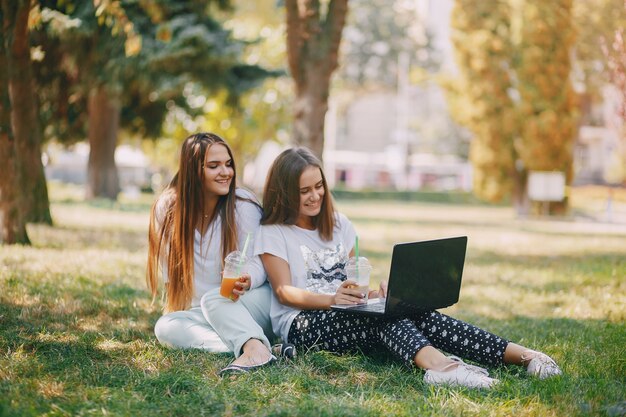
column 462, row 375
column 540, row 365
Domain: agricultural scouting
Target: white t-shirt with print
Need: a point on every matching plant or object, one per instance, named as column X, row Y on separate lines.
column 316, row 265
column 207, row 248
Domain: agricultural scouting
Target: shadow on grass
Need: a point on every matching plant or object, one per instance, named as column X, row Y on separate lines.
column 117, row 367
column 92, row 355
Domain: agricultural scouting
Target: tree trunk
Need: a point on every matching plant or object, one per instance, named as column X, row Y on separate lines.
column 310, row 107
column 521, row 202
column 24, row 116
column 104, row 119
column 312, row 47
column 12, row 223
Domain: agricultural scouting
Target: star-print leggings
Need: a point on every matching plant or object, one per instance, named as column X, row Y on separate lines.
column 341, row 332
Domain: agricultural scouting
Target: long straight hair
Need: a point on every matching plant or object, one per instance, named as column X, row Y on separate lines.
column 281, row 197
column 181, row 211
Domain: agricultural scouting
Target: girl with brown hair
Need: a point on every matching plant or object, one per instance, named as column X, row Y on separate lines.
column 200, row 218
column 305, row 244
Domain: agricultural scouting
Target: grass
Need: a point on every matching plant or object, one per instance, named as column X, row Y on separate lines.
column 76, row 321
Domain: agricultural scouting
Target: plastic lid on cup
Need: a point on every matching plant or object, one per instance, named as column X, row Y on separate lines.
column 236, row 257
column 363, row 262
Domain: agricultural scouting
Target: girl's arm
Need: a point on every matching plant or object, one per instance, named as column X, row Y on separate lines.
column 280, row 277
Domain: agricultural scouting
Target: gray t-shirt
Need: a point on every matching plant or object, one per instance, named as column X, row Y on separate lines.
column 207, row 248
column 315, row 264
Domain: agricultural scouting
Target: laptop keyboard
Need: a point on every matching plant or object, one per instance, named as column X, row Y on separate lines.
column 375, row 307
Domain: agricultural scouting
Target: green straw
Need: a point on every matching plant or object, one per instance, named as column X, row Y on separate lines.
column 356, row 252
column 243, row 253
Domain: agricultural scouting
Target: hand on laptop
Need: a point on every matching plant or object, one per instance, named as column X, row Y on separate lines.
column 382, row 291
column 349, row 293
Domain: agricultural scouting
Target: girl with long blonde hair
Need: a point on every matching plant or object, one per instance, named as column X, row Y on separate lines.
column 200, row 218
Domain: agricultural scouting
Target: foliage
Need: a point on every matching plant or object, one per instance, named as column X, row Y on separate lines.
column 480, row 98
column 548, row 102
column 596, row 22
column 77, row 323
column 148, row 53
column 376, row 34
column 614, row 50
column 263, row 113
column 515, row 92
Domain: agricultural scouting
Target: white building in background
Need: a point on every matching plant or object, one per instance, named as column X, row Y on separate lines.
column 596, row 152
column 255, row 172
column 404, row 139
column 401, row 140
column 70, row 165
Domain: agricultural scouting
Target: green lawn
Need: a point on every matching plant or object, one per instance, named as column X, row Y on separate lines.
column 76, row 321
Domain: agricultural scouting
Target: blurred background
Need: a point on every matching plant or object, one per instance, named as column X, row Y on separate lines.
column 514, row 102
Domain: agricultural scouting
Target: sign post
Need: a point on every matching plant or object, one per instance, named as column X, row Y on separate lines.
column 546, row 186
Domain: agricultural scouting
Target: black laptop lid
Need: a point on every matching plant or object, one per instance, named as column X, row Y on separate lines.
column 427, row 274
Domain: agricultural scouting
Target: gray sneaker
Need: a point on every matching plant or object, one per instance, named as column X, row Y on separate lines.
column 540, row 365
column 463, row 374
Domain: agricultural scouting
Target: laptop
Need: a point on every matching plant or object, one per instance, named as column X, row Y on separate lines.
column 424, row 275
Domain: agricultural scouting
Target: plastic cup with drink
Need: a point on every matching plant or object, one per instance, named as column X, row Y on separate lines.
column 235, row 266
column 360, row 273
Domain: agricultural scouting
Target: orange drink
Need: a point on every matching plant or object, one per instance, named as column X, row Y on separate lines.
column 235, row 265
column 226, row 289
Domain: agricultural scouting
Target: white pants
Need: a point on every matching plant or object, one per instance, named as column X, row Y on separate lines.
column 219, row 324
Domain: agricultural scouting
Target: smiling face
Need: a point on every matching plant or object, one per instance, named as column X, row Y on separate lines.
column 218, row 170
column 311, row 196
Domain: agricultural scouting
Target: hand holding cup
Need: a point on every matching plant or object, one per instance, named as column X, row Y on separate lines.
column 349, row 293
column 235, row 278
column 242, row 285
column 359, row 274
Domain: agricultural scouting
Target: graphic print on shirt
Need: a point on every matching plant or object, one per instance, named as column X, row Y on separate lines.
column 324, row 268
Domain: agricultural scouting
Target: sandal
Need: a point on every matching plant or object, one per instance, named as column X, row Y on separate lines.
column 284, row 350
column 233, row 369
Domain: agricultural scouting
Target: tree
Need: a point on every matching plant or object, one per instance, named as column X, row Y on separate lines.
column 376, row 34
column 313, row 37
column 614, row 51
column 515, row 93
column 134, row 57
column 264, row 113
column 12, row 222
column 548, row 102
column 595, row 23
column 480, row 101
column 25, row 126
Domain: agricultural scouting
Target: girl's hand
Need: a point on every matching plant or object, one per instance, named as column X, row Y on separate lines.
column 382, row 291
column 348, row 293
column 242, row 286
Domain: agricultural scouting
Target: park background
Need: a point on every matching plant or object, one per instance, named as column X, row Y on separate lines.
column 432, row 118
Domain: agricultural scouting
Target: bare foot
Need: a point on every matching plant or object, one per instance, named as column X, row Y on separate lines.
column 254, row 353
column 430, row 358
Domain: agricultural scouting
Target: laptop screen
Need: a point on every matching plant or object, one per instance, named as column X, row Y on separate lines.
column 427, row 274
